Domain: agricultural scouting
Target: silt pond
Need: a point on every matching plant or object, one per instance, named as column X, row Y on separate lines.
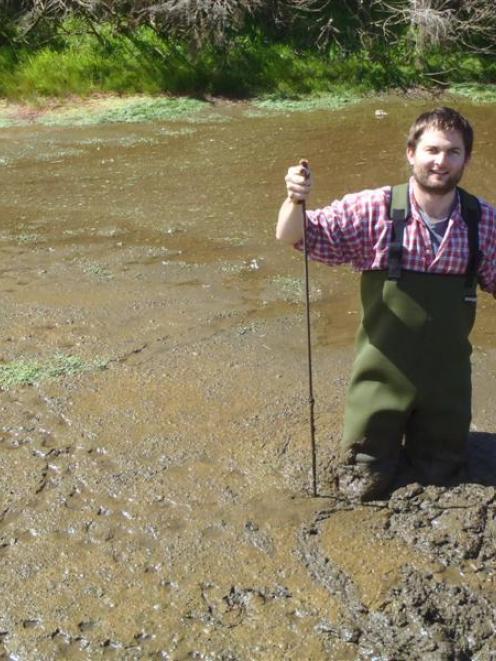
column 155, row 467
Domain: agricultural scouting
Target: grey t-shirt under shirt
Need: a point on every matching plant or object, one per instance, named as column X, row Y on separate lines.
column 437, row 229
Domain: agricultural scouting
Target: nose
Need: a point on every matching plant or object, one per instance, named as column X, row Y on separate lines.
column 441, row 158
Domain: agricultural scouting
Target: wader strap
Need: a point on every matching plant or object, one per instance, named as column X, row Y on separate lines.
column 398, row 212
column 471, row 213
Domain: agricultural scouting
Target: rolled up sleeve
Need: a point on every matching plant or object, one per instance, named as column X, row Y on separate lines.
column 487, row 243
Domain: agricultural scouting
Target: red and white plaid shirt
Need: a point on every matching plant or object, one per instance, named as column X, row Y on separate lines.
column 357, row 230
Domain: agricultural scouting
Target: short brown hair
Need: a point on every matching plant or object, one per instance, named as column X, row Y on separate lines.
column 444, row 119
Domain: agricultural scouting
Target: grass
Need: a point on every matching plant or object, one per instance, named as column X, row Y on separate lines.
column 78, row 63
column 477, row 93
column 153, row 78
column 27, row 372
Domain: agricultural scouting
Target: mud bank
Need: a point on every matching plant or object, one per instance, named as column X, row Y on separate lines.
column 154, row 496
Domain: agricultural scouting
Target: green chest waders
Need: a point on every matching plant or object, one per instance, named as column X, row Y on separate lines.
column 411, row 378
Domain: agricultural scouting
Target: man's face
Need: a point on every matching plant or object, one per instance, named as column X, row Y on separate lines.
column 438, row 160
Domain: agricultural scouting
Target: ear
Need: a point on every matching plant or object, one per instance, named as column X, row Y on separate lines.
column 410, row 155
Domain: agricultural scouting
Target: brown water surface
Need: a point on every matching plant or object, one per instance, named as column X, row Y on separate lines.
column 159, row 507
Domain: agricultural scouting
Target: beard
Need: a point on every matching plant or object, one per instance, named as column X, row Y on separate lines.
column 425, row 181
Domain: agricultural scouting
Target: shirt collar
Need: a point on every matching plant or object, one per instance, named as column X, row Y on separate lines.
column 455, row 215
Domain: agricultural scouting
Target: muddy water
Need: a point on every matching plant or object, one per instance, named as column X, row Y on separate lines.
column 158, row 507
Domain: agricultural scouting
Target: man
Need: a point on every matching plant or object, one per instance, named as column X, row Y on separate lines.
column 410, row 388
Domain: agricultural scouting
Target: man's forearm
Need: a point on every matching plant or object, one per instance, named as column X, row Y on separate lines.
column 290, row 222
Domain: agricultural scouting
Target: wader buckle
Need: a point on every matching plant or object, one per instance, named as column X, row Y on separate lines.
column 470, row 297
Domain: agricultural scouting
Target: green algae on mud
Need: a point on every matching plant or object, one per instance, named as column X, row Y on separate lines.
column 334, row 101
column 27, row 372
column 100, row 110
column 108, row 109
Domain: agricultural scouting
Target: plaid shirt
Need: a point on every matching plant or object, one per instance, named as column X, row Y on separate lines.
column 357, row 230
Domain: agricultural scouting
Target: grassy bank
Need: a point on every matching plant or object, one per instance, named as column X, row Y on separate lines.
column 83, row 64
